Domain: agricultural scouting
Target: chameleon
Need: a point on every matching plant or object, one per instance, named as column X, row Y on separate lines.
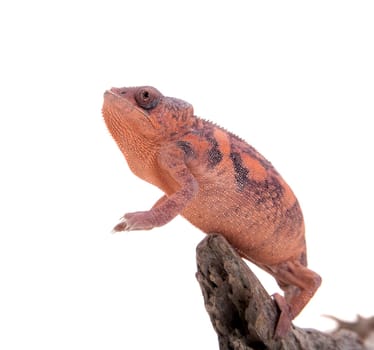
column 218, row 182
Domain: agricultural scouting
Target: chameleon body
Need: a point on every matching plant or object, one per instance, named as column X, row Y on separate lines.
column 217, row 182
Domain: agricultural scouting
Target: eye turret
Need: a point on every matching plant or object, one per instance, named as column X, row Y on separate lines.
column 147, row 97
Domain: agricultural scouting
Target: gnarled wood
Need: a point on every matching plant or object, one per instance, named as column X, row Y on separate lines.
column 243, row 314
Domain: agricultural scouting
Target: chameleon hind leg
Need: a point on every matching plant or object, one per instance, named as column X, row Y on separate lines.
column 299, row 285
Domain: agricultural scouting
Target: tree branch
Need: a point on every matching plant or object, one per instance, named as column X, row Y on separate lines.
column 242, row 312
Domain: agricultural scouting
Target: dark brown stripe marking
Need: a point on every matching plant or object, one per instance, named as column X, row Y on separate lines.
column 214, row 154
column 241, row 173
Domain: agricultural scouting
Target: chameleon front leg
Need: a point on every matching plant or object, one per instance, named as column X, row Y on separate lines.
column 171, row 160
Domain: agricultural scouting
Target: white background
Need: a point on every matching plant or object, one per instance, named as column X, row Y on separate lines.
column 294, row 78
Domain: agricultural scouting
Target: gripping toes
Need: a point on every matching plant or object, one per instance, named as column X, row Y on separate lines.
column 284, row 322
column 140, row 220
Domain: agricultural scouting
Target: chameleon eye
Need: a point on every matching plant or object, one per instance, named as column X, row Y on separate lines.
column 147, row 97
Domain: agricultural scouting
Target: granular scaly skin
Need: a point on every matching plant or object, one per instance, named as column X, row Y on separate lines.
column 216, row 181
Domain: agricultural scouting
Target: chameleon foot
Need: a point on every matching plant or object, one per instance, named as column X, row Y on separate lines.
column 140, row 220
column 284, row 322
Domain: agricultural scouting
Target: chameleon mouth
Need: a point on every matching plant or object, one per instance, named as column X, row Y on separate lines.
column 111, row 92
column 113, row 98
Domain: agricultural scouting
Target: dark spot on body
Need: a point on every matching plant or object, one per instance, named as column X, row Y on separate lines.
column 186, row 147
column 268, row 193
column 241, row 173
column 214, row 154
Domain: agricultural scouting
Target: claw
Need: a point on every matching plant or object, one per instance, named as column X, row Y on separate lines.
column 121, row 226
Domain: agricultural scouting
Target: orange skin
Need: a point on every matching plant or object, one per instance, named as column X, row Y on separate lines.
column 217, row 182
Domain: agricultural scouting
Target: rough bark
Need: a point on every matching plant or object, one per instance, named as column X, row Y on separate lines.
column 363, row 326
column 242, row 312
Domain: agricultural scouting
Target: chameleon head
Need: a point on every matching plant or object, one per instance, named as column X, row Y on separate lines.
column 136, row 113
